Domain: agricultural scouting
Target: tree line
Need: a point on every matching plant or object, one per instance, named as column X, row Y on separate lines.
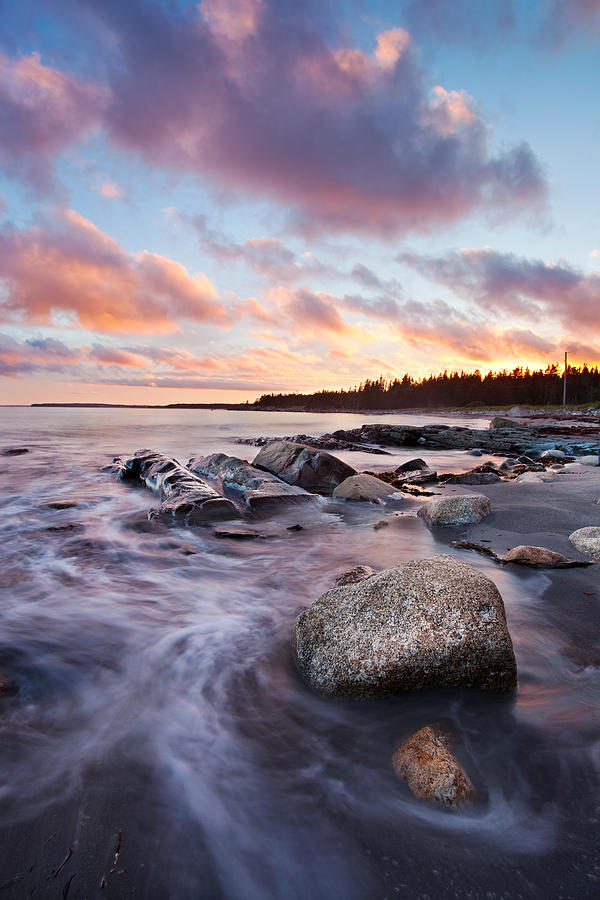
column 520, row 387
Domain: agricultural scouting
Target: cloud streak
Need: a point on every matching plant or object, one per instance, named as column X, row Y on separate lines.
column 512, row 284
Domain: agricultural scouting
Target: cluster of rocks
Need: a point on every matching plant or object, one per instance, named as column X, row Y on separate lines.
column 427, row 623
column 502, row 437
column 224, row 487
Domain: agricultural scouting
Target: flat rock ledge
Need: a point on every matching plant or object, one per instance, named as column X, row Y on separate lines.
column 427, row 623
column 462, row 510
column 587, row 541
column 183, row 494
column 432, row 771
column 254, row 488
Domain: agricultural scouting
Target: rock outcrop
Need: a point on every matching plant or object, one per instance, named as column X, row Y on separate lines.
column 364, row 487
column 462, row 510
column 183, row 494
column 587, row 541
column 432, row 771
column 427, row 623
column 314, row 470
column 253, row 487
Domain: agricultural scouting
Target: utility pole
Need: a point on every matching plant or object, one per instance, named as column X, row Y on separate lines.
column 565, row 382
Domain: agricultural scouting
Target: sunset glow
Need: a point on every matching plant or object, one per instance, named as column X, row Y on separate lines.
column 211, row 201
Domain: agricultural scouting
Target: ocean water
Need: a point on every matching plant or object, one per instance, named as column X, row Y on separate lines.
column 157, row 715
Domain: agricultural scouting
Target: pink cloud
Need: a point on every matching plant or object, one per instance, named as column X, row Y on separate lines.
column 42, row 111
column 249, row 94
column 70, row 272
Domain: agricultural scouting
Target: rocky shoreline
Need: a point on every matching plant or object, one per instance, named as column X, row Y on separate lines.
column 426, row 623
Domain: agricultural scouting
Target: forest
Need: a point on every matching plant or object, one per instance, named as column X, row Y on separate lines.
column 455, row 389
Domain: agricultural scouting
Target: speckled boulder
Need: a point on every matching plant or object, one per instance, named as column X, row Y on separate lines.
column 463, row 510
column 364, row 487
column 587, row 541
column 427, row 623
column 431, row 770
column 526, row 555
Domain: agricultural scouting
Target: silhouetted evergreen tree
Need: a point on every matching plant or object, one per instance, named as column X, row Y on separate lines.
column 521, row 387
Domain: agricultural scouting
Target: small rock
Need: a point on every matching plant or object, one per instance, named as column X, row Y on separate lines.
column 587, row 541
column 383, row 523
column 589, row 460
column 61, row 504
column 412, row 465
column 238, row 534
column 553, row 454
column 295, row 528
column 353, row 576
column 465, row 510
column 525, row 555
column 15, row 451
column 363, row 487
column 503, row 423
column 475, row 452
column 431, row 770
column 475, row 478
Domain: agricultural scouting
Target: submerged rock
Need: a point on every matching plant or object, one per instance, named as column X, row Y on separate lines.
column 431, row 770
column 525, row 555
column 364, row 487
column 587, row 541
column 353, row 576
column 314, row 470
column 238, row 534
column 463, row 510
column 427, row 623
column 15, row 451
column 254, row 487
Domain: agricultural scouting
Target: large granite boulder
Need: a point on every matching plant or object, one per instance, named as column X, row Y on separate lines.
column 431, row 770
column 427, row 623
column 254, row 487
column 364, row 487
column 467, row 509
column 314, row 470
column 587, row 541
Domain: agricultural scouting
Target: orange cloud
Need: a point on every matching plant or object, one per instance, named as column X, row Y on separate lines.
column 71, row 273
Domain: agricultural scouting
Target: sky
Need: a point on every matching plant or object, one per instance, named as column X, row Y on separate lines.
column 211, row 201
